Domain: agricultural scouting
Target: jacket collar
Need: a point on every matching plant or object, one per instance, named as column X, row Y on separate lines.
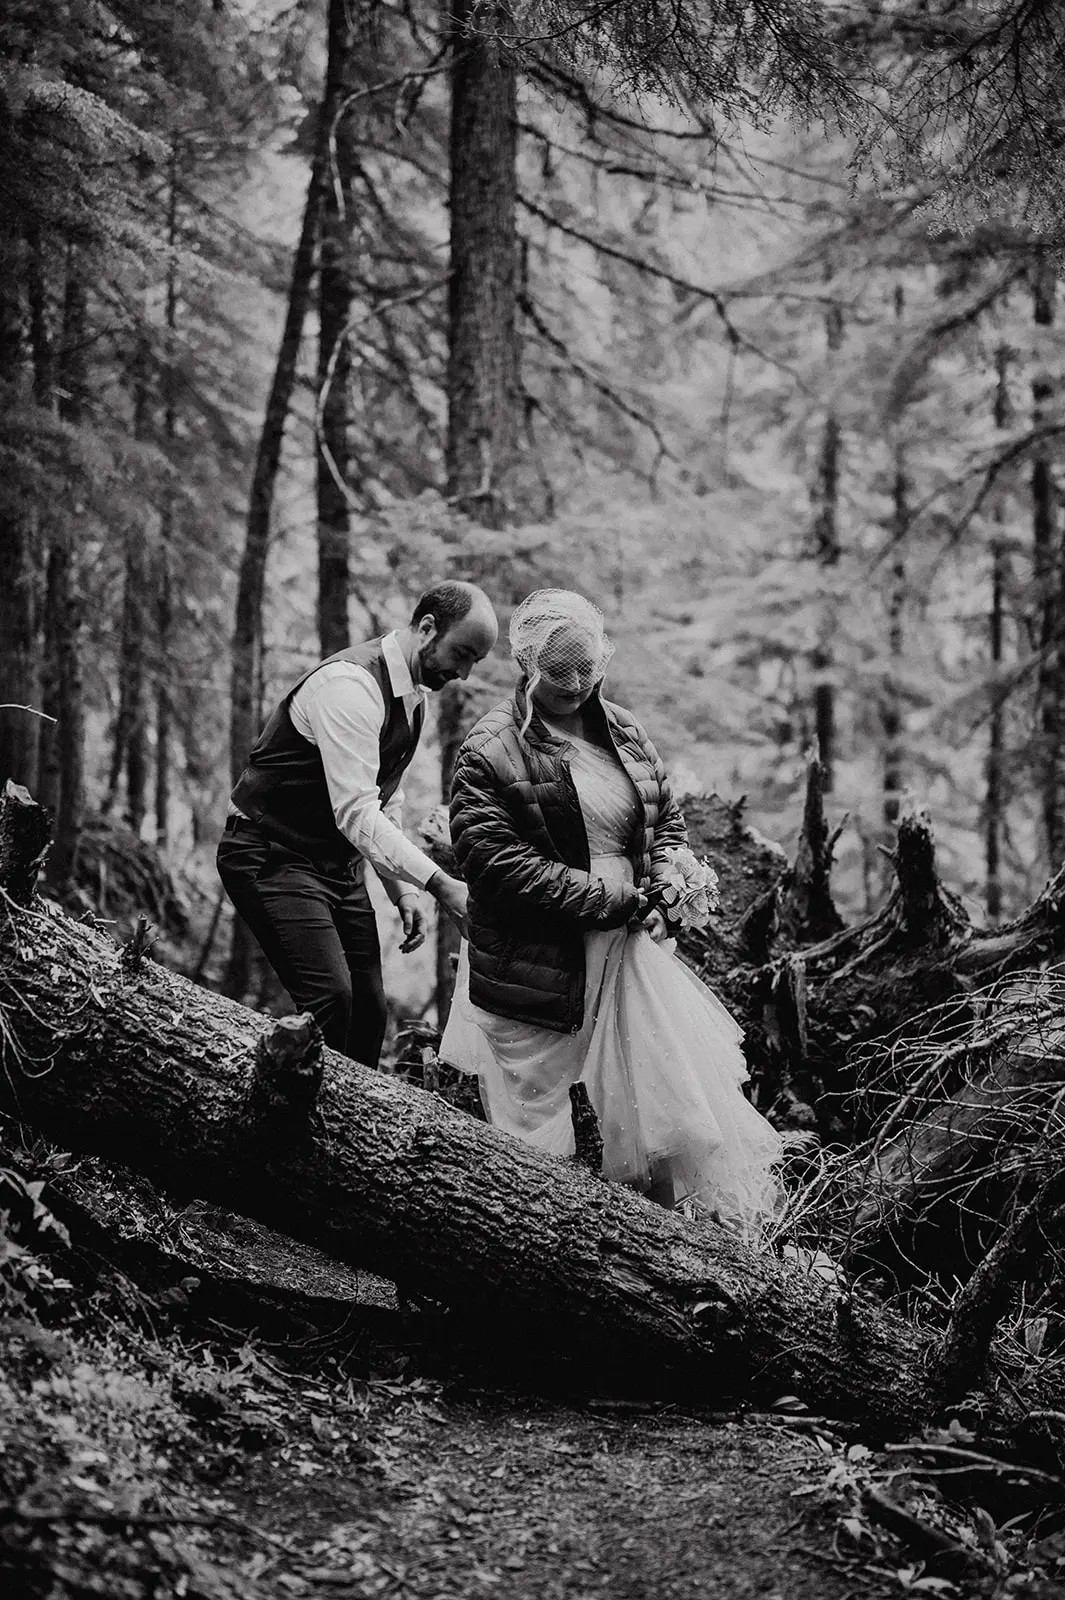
column 538, row 732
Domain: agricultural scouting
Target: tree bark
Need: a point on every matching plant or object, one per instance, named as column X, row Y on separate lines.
column 245, row 684
column 483, row 385
column 995, row 791
column 163, row 600
column 807, row 910
column 1047, row 575
column 64, row 610
column 144, row 1068
column 109, row 1053
column 129, row 739
column 202, row 1264
column 335, row 295
column 482, row 370
column 826, row 549
column 20, row 724
column 389, row 1178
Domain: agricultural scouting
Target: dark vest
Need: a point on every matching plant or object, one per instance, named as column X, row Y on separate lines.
column 283, row 788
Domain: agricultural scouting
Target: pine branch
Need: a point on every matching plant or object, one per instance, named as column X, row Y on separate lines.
column 560, row 347
column 736, row 338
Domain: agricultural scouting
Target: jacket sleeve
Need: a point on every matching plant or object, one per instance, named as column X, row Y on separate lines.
column 670, row 828
column 501, row 867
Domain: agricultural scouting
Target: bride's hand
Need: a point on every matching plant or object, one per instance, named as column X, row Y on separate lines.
column 655, row 924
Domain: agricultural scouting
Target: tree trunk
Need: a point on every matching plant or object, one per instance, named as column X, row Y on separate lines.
column 891, row 699
column 62, row 633
column 213, row 1102
column 1047, row 571
column 827, row 553
column 994, row 794
column 214, row 1265
column 482, row 369
column 56, row 573
column 64, row 615
column 245, row 691
column 807, row 910
column 161, row 581
column 385, row 1176
column 483, row 386
column 128, row 748
column 19, row 712
column 164, row 619
column 335, row 293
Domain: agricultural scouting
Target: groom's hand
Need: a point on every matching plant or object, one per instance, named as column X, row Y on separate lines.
column 412, row 915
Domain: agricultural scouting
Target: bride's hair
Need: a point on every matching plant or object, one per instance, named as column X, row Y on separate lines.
column 553, row 633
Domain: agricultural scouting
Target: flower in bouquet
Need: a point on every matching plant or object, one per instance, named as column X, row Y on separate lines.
column 688, row 889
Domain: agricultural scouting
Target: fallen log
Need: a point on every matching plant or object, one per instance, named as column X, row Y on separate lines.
column 132, row 1062
column 204, row 1265
column 138, row 1065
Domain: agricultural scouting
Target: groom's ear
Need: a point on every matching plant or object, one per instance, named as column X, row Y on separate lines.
column 427, row 626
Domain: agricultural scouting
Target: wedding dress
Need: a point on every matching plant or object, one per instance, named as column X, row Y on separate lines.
column 658, row 1053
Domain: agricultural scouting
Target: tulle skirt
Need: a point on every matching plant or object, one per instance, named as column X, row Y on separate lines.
column 660, row 1057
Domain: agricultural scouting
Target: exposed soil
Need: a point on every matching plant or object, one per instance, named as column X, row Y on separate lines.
column 490, row 1496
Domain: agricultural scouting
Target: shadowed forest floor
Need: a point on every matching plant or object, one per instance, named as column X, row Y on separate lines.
column 140, row 1458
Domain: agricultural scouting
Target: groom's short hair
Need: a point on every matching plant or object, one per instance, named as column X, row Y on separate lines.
column 447, row 603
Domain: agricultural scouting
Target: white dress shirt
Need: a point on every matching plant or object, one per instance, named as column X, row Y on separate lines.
column 341, row 710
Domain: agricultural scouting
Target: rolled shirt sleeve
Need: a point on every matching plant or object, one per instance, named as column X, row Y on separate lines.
column 341, row 710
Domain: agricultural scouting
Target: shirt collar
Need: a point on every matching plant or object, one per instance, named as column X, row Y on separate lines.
column 403, row 685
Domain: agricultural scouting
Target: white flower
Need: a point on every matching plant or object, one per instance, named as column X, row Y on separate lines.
column 689, row 889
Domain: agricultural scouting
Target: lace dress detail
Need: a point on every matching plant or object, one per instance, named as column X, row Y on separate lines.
column 658, row 1053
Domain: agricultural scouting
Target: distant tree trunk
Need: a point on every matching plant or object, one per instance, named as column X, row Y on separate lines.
column 994, row 798
column 19, row 727
column 891, row 706
column 334, row 357
column 42, row 343
column 128, row 756
column 164, row 609
column 1046, row 564
column 64, row 605
column 245, row 697
column 42, row 355
column 482, row 371
column 826, row 549
column 164, row 617
column 129, row 735
column 891, row 699
column 482, row 368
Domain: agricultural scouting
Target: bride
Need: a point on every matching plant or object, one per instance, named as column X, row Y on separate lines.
column 561, row 819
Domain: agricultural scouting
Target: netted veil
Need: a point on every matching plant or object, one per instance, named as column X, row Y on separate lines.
column 558, row 636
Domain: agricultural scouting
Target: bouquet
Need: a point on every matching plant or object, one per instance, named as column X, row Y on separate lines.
column 687, row 889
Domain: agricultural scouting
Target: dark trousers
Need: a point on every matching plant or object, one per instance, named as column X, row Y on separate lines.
column 318, row 932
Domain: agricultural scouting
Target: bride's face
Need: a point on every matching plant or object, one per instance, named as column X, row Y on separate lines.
column 568, row 673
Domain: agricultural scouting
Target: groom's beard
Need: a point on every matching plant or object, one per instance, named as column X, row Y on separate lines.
column 432, row 674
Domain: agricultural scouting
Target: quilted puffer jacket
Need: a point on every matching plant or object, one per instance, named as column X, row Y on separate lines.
column 521, row 844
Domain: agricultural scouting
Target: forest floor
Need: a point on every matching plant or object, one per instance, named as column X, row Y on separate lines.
column 143, row 1456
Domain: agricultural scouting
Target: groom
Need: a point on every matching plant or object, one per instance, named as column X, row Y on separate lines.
column 321, row 796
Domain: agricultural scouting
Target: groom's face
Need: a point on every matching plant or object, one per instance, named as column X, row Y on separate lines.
column 445, row 657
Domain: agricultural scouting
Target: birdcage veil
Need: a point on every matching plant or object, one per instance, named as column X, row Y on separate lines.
column 558, row 636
